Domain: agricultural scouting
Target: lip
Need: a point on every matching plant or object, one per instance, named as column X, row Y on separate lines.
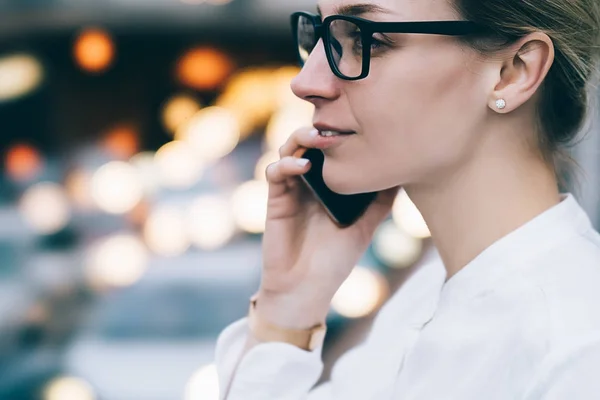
column 321, row 127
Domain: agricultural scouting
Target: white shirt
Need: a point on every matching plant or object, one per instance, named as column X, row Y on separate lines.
column 520, row 321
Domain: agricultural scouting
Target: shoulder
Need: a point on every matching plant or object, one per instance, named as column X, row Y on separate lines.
column 569, row 372
column 567, row 278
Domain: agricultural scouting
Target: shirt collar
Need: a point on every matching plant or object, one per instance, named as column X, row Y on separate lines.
column 567, row 218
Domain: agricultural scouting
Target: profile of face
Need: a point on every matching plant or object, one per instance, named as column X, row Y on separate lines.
column 418, row 113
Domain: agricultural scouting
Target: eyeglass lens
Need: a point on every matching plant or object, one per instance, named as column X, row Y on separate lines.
column 345, row 43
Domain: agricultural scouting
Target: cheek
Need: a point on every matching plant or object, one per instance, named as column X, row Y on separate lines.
column 417, row 110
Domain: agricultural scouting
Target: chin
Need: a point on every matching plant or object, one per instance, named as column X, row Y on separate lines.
column 343, row 182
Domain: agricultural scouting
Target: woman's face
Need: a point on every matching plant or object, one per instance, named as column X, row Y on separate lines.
column 416, row 116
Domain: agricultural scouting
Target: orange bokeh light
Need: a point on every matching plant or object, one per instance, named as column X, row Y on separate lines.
column 23, row 162
column 122, row 141
column 94, row 50
column 203, row 68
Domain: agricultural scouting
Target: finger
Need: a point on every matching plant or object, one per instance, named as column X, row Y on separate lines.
column 301, row 139
column 279, row 172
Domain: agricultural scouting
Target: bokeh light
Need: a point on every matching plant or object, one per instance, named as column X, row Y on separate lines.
column 283, row 77
column 78, row 185
column 117, row 261
column 68, row 388
column 94, row 50
column 20, row 74
column 261, row 166
column 165, row 231
column 210, row 222
column 177, row 166
column 408, row 217
column 23, row 162
column 394, row 247
column 204, row 384
column 249, row 204
column 250, row 96
column 116, row 188
column 361, row 293
column 45, row 207
column 212, row 133
column 285, row 122
column 122, row 141
column 204, row 68
column 178, row 110
column 147, row 171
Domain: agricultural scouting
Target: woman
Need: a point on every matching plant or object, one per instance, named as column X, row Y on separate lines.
column 469, row 118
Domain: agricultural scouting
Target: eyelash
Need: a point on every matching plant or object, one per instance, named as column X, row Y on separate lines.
column 375, row 43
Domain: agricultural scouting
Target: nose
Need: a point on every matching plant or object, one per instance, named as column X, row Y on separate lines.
column 316, row 82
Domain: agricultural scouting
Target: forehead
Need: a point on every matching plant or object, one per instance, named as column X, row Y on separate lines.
column 395, row 9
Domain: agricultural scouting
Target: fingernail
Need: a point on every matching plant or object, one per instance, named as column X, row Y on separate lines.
column 302, row 162
column 314, row 133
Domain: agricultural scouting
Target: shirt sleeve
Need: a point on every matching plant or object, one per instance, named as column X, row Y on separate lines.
column 269, row 371
column 571, row 373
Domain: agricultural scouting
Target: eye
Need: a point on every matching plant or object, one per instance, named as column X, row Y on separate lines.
column 356, row 38
column 375, row 44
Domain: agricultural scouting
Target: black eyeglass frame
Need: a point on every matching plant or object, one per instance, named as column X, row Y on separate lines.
column 368, row 28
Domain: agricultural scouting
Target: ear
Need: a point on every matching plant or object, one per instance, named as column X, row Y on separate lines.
column 523, row 70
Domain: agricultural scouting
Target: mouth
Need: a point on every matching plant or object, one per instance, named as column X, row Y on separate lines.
column 335, row 133
column 329, row 131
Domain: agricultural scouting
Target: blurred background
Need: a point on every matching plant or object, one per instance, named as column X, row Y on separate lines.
column 134, row 139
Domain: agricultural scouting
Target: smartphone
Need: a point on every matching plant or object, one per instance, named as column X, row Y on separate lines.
column 344, row 210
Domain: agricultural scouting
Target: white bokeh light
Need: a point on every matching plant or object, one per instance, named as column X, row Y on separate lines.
column 261, row 166
column 68, row 388
column 147, row 171
column 287, row 120
column 177, row 166
column 19, row 75
column 45, row 207
column 178, row 110
column 165, row 231
column 119, row 260
column 408, row 217
column 210, row 222
column 394, row 247
column 116, row 187
column 204, row 384
column 360, row 294
column 212, row 133
column 249, row 204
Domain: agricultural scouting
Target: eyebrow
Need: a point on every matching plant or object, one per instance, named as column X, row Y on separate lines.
column 358, row 9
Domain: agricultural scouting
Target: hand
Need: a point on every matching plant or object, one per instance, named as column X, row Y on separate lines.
column 306, row 255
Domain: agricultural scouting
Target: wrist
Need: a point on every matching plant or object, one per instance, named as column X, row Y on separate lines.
column 262, row 331
column 292, row 311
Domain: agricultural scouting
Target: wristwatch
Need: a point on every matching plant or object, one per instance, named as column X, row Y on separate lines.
column 263, row 331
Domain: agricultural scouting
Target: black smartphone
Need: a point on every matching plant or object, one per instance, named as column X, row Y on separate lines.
column 344, row 210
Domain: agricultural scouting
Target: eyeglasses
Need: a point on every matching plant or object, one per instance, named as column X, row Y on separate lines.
column 349, row 40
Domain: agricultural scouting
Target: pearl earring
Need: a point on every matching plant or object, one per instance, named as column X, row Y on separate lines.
column 501, row 104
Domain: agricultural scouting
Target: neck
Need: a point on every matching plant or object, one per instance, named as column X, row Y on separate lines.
column 479, row 203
